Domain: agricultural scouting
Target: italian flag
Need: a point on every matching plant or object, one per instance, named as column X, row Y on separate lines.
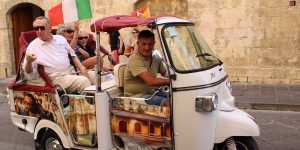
column 69, row 11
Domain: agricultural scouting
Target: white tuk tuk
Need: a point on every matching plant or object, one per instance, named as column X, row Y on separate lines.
column 199, row 114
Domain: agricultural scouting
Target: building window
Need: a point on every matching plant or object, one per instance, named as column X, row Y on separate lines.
column 151, row 129
column 123, row 126
column 138, row 128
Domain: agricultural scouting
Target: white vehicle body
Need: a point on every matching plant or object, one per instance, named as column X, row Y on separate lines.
column 202, row 111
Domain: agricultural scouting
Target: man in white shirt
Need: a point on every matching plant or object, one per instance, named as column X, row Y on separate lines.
column 51, row 51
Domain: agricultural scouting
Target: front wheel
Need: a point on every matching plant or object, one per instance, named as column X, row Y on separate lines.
column 51, row 141
column 241, row 142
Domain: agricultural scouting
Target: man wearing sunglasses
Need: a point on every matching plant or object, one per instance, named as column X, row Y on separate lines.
column 51, row 51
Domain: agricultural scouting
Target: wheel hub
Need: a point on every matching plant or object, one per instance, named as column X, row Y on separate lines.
column 53, row 144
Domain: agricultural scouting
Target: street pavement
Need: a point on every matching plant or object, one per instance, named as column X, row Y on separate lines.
column 279, row 130
column 3, row 84
column 10, row 137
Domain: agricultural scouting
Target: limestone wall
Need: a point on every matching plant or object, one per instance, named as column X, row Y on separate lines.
column 160, row 7
column 258, row 40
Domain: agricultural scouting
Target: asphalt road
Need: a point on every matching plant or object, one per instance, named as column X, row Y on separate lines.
column 280, row 130
column 10, row 137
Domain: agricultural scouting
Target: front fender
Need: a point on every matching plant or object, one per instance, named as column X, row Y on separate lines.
column 235, row 123
column 57, row 129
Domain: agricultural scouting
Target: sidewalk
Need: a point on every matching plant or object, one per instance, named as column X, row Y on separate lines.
column 3, row 84
column 281, row 97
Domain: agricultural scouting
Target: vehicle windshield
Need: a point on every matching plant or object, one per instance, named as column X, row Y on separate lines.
column 187, row 49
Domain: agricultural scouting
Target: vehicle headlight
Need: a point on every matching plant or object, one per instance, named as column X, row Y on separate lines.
column 206, row 103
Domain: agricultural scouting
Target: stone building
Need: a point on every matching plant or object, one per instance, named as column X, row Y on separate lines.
column 258, row 40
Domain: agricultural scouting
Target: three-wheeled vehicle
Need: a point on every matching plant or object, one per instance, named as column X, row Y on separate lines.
column 199, row 112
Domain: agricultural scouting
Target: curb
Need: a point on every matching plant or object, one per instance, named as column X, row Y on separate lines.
column 275, row 107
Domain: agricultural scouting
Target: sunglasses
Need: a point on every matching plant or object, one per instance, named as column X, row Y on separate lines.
column 69, row 31
column 83, row 37
column 37, row 28
column 133, row 32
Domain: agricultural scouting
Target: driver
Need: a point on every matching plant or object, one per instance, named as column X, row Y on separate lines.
column 140, row 76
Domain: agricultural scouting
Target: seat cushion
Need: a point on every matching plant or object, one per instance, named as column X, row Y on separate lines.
column 119, row 71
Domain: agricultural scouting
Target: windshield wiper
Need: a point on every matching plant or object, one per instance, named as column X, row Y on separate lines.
column 207, row 54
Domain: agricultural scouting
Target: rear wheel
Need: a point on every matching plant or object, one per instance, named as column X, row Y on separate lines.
column 51, row 141
column 119, row 142
column 241, row 142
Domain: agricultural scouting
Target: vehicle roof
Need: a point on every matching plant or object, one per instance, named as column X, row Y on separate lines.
column 114, row 23
column 170, row 19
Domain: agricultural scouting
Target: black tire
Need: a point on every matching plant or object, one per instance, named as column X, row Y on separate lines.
column 241, row 142
column 51, row 141
column 37, row 145
column 119, row 142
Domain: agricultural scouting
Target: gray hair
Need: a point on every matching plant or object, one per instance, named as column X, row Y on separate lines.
column 41, row 18
column 63, row 27
column 83, row 32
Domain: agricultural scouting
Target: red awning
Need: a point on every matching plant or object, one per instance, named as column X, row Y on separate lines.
column 114, row 23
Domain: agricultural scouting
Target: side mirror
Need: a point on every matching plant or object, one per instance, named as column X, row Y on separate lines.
column 157, row 56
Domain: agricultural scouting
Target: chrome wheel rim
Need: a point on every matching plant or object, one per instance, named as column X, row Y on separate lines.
column 53, row 144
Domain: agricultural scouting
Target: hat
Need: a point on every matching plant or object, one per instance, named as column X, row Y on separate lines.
column 63, row 27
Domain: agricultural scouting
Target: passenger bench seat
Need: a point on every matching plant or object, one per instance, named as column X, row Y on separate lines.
column 119, row 71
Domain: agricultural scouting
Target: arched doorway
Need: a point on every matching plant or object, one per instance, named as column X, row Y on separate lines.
column 22, row 17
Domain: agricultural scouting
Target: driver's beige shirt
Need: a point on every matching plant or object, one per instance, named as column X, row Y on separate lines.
column 137, row 64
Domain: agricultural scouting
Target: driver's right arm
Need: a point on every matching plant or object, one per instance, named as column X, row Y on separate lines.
column 153, row 81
